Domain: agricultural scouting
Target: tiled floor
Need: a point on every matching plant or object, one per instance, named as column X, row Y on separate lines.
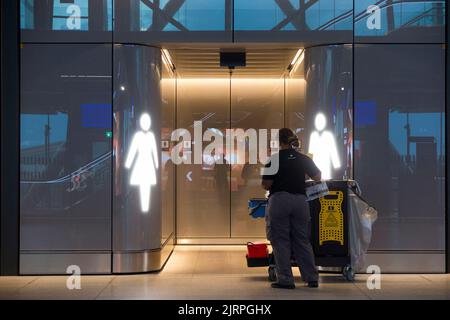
column 219, row 272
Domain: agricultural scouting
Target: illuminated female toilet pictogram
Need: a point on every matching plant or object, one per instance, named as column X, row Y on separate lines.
column 142, row 159
column 323, row 147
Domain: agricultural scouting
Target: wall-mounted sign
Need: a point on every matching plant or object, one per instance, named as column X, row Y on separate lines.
column 142, row 160
column 322, row 146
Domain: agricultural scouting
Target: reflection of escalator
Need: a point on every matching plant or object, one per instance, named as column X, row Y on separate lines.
column 436, row 13
column 415, row 183
column 65, row 151
column 70, row 191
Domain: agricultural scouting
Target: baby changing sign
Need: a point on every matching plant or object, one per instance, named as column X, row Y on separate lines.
column 331, row 218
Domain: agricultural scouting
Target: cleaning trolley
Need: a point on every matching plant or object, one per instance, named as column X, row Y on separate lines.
column 341, row 228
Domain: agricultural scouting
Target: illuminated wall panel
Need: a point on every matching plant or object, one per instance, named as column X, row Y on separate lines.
column 137, row 99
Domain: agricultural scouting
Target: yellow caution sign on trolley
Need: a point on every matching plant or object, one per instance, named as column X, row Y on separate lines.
column 331, row 218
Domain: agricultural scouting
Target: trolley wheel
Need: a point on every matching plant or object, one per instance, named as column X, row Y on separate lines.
column 272, row 274
column 348, row 273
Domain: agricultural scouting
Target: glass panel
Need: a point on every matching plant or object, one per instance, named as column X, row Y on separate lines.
column 145, row 16
column 400, row 20
column 255, row 104
column 168, row 90
column 156, row 21
column 293, row 15
column 328, row 71
column 263, row 15
column 65, row 147
column 203, row 191
column 176, row 15
column 70, row 16
column 296, row 104
column 197, row 15
column 137, row 140
column 26, row 14
column 329, row 15
column 399, row 143
column 78, row 20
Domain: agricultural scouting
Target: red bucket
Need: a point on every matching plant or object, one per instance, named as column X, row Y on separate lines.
column 257, row 250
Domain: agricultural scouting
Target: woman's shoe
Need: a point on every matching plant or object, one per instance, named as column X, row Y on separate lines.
column 282, row 286
column 313, row 284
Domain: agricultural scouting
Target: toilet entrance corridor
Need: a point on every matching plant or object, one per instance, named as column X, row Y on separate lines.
column 269, row 92
column 77, row 198
column 101, row 98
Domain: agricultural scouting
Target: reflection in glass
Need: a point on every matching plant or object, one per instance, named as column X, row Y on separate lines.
column 70, row 16
column 186, row 15
column 293, row 15
column 399, row 142
column 58, row 15
column 263, row 95
column 410, row 20
column 328, row 77
column 329, row 15
column 65, row 157
column 203, row 191
column 168, row 92
column 137, row 92
column 26, row 14
column 295, row 104
column 258, row 104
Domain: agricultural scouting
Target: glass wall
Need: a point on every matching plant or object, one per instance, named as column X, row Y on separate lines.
column 182, row 15
column 145, row 21
column 255, row 104
column 212, row 197
column 313, row 21
column 290, row 15
column 70, row 16
column 68, row 140
column 328, row 75
column 295, row 99
column 72, row 212
column 168, row 109
column 150, row 22
column 203, row 191
column 66, row 21
column 65, row 157
column 400, row 21
column 137, row 137
column 400, row 142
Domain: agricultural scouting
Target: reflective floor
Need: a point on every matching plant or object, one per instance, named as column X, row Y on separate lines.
column 219, row 272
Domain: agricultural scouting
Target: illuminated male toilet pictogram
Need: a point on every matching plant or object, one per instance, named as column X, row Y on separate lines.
column 142, row 159
column 323, row 148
